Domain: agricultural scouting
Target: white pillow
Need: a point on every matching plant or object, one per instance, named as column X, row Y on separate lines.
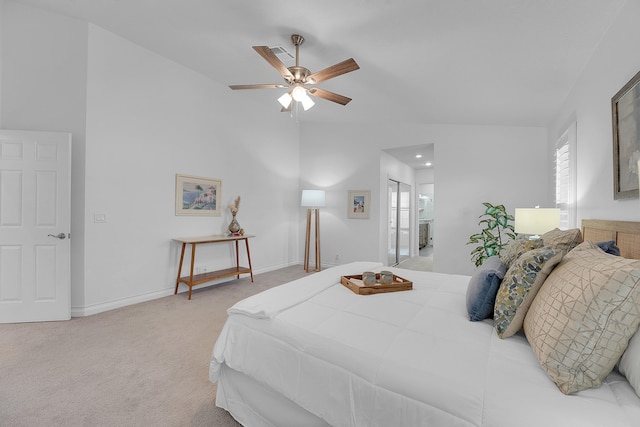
column 629, row 364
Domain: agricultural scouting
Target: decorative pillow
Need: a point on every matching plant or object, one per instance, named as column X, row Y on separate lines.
column 517, row 247
column 482, row 288
column 629, row 364
column 520, row 286
column 562, row 239
column 583, row 317
column 609, row 247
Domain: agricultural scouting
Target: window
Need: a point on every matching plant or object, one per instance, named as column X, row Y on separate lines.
column 565, row 177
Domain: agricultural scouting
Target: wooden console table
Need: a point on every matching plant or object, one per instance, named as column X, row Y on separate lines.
column 192, row 280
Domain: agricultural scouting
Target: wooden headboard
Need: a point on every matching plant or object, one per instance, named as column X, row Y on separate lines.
column 625, row 233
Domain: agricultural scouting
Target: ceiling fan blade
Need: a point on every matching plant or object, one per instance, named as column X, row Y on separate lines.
column 275, row 62
column 266, row 86
column 334, row 71
column 329, row 96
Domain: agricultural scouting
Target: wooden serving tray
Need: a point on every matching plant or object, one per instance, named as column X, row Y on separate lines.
column 356, row 284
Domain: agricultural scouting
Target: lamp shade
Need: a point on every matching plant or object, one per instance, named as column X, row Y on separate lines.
column 313, row 198
column 285, row 100
column 536, row 220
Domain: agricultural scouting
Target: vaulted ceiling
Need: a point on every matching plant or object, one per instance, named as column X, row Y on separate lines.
column 488, row 62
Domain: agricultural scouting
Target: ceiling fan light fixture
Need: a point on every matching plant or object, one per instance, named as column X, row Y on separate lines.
column 296, row 77
column 299, row 93
column 285, row 100
column 307, row 102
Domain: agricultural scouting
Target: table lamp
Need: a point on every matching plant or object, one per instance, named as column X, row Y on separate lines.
column 536, row 221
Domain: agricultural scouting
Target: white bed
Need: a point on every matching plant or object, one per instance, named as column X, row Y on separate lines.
column 313, row 353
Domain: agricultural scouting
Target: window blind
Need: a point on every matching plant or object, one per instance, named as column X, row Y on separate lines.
column 564, row 177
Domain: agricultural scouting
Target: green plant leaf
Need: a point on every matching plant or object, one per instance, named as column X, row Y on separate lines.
column 488, row 235
column 476, row 250
column 490, row 211
column 494, row 234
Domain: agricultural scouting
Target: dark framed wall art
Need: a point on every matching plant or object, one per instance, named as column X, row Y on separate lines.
column 625, row 108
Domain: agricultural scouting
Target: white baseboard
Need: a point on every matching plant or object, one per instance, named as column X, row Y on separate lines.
column 112, row 305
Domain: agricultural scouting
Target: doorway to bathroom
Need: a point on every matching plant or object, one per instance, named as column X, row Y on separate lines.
column 425, row 220
column 399, row 202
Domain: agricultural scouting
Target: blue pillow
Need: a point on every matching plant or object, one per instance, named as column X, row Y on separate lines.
column 609, row 247
column 483, row 287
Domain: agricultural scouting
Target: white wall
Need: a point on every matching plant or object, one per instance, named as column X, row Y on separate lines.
column 612, row 65
column 424, row 176
column 149, row 119
column 44, row 77
column 327, row 162
column 137, row 119
column 473, row 164
column 499, row 165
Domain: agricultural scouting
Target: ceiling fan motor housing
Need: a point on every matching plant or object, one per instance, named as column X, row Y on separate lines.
column 299, row 74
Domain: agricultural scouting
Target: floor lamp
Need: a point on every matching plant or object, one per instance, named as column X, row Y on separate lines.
column 313, row 200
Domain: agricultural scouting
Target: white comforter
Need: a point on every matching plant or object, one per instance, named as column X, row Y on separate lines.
column 408, row 358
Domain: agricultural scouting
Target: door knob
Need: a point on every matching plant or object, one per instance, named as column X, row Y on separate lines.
column 60, row 236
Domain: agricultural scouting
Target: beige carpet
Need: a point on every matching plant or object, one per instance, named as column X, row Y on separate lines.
column 420, row 263
column 142, row 365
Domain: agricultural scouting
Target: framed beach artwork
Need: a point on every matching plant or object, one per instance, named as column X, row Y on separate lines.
column 198, row 196
column 625, row 108
column 358, row 204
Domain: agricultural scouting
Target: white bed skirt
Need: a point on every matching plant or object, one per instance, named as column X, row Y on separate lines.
column 255, row 405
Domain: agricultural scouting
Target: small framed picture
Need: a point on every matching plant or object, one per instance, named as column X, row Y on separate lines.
column 198, row 196
column 358, row 204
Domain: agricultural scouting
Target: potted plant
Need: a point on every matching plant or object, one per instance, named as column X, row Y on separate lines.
column 494, row 236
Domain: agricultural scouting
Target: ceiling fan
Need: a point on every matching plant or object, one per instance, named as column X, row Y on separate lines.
column 298, row 79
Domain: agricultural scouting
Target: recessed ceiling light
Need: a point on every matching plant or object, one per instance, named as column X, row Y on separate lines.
column 418, row 156
column 428, row 164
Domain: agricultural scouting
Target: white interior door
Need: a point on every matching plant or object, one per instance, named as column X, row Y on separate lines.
column 35, row 205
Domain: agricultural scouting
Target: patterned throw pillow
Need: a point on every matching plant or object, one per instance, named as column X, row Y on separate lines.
column 562, row 239
column 517, row 247
column 482, row 288
column 582, row 319
column 520, row 286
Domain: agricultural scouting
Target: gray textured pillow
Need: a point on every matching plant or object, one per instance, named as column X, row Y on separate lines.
column 517, row 247
column 581, row 321
column 562, row 239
